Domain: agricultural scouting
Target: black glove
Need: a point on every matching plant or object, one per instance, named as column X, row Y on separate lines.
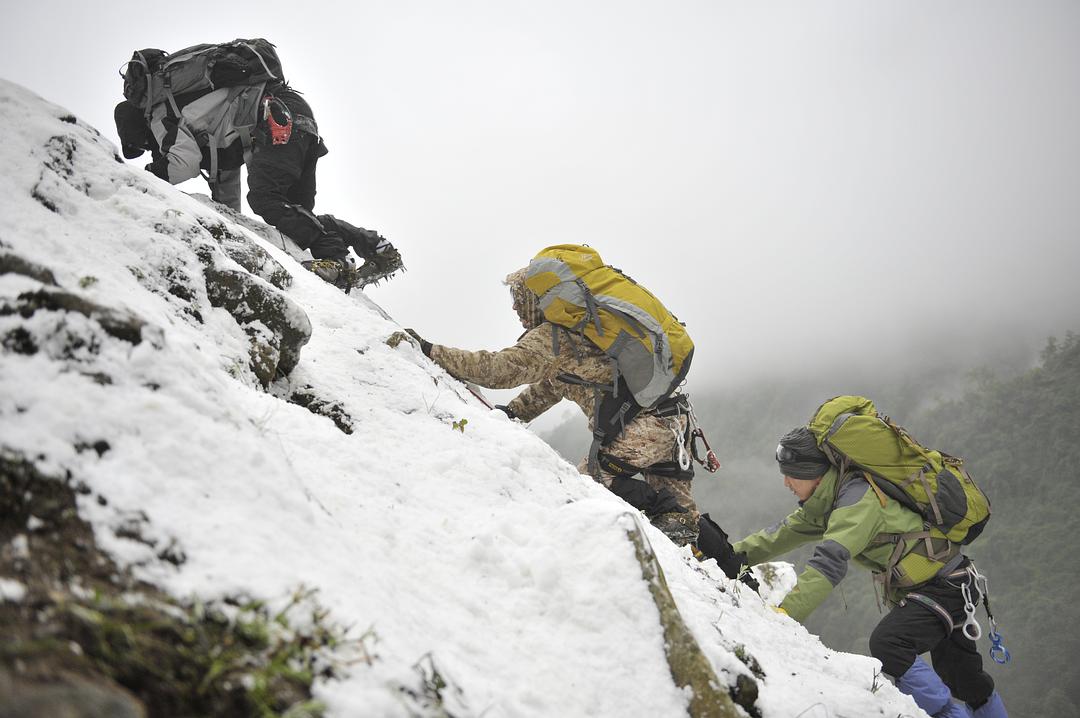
column 506, row 410
column 645, row 498
column 713, row 542
column 425, row 345
column 159, row 169
column 748, row 578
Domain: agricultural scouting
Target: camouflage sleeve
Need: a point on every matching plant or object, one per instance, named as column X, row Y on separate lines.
column 523, row 363
column 537, row 398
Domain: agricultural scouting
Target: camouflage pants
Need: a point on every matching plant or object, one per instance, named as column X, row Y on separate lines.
column 649, row 440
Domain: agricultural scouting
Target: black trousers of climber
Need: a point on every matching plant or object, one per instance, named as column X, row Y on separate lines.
column 281, row 190
column 913, row 628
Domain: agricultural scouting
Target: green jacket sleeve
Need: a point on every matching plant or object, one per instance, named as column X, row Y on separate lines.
column 794, row 531
column 856, row 519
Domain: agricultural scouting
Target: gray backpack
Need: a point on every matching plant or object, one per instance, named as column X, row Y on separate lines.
column 153, row 76
column 245, row 67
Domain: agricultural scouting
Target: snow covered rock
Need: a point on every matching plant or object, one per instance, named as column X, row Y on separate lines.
column 210, row 431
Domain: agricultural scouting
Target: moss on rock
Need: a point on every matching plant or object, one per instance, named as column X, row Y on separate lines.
column 83, row 638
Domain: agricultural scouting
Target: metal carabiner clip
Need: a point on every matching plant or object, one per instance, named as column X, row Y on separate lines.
column 971, row 627
column 998, row 652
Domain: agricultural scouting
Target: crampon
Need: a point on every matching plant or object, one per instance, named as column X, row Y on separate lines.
column 384, row 265
column 345, row 276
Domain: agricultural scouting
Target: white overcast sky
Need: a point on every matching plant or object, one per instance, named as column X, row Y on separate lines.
column 801, row 182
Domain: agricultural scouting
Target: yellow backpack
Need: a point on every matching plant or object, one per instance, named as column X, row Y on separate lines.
column 649, row 347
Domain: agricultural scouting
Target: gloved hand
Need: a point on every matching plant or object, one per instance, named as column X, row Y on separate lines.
column 506, row 410
column 411, row 337
column 666, row 503
column 643, row 497
column 748, row 578
column 779, row 610
column 425, row 345
column 159, row 169
column 713, row 543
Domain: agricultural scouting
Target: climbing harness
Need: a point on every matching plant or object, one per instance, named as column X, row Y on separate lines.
column 974, row 588
column 971, row 627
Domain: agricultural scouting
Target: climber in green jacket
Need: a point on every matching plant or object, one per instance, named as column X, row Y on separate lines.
column 845, row 525
column 846, row 519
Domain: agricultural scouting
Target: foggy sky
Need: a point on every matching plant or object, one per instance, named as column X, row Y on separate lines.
column 802, row 183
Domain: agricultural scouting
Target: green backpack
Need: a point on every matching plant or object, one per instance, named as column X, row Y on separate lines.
column 933, row 484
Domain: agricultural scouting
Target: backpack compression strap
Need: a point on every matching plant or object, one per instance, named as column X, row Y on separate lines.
column 932, row 547
column 611, row 414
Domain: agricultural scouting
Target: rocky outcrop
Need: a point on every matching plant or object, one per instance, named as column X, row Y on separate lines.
column 690, row 669
column 246, row 253
column 82, row 639
column 276, row 326
column 115, row 323
column 75, row 173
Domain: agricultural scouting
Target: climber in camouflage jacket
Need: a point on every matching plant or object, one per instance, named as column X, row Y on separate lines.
column 645, row 441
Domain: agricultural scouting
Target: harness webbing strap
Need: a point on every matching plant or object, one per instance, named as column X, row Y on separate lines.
column 574, row 348
column 936, row 608
column 876, row 488
column 893, row 575
column 247, row 139
column 598, row 435
column 167, row 86
column 894, row 559
column 914, row 477
column 590, row 306
column 931, row 498
column 213, row 162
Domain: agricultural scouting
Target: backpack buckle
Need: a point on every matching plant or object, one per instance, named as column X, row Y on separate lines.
column 278, row 118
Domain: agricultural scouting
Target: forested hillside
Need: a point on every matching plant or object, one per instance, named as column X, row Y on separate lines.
column 1018, row 429
column 1021, row 438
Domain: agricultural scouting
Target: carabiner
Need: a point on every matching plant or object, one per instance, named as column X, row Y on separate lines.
column 998, row 652
column 971, row 627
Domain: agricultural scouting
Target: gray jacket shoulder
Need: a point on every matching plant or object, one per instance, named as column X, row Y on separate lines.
column 851, row 492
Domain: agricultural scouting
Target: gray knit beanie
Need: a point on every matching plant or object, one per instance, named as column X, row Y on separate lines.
column 799, row 456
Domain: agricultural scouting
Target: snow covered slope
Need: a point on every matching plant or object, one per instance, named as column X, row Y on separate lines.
column 477, row 549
